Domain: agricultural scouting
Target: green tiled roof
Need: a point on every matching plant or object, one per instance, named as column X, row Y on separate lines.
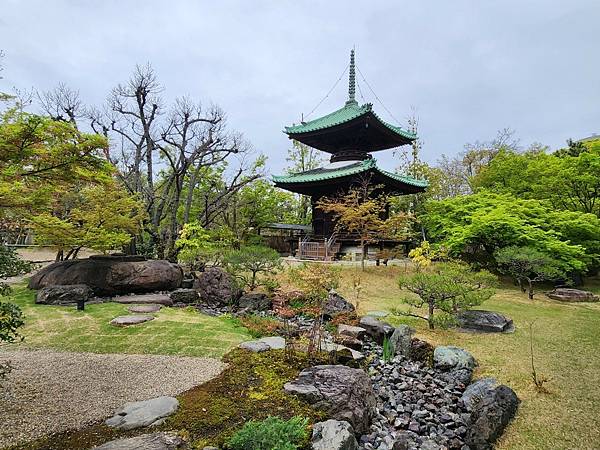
column 350, row 111
column 322, row 174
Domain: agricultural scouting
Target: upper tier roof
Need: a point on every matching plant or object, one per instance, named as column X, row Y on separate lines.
column 350, row 128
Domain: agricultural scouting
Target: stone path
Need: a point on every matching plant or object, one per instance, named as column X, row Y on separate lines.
column 144, row 309
column 134, row 319
column 53, row 391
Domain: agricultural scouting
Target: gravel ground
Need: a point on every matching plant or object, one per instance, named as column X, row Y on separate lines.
column 51, row 391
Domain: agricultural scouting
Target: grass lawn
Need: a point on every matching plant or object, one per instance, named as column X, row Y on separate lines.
column 175, row 331
column 566, row 347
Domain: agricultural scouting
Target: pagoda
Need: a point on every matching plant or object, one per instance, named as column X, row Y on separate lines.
column 349, row 134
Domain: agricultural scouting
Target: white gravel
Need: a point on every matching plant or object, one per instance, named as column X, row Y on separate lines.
column 51, row 391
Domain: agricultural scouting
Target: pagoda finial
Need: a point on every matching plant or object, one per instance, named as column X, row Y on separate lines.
column 352, row 81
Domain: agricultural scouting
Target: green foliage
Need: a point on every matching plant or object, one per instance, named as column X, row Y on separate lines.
column 198, row 246
column 526, row 264
column 388, row 350
column 447, row 287
column 247, row 262
column 101, row 217
column 272, row 433
column 11, row 319
column 315, row 280
column 10, row 263
column 475, row 226
column 40, row 157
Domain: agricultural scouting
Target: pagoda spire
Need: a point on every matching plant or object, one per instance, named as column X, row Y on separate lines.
column 352, row 81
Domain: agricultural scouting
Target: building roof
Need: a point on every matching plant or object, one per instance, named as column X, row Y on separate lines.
column 348, row 112
column 352, row 127
column 339, row 171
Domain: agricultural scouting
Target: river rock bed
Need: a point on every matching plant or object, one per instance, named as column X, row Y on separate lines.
column 417, row 406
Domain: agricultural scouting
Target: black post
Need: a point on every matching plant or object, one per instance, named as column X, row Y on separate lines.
column 80, row 304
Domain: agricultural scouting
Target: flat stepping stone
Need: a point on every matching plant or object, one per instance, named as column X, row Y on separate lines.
column 142, row 414
column 124, row 321
column 144, row 299
column 145, row 309
column 154, row 441
column 264, row 344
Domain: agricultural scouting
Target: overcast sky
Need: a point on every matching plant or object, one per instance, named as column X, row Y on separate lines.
column 469, row 67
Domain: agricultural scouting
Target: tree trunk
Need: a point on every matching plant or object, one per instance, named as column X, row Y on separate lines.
column 530, row 289
column 362, row 247
column 430, row 318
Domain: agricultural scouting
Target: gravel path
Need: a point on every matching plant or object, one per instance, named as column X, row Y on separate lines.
column 51, row 391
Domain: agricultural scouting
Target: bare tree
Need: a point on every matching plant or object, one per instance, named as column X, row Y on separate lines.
column 62, row 103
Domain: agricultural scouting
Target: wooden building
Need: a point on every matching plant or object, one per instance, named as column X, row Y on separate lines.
column 349, row 134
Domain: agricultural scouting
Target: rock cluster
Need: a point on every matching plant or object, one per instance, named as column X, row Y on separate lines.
column 63, row 294
column 572, row 295
column 417, row 406
column 217, row 288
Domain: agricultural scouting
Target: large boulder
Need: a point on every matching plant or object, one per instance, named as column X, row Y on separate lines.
column 476, row 391
column 343, row 393
column 255, row 302
column 572, row 295
column 457, row 363
column 376, row 329
column 182, row 295
column 217, row 287
column 153, row 441
column 490, row 416
column 142, row 414
column 484, row 321
column 111, row 276
column 336, row 304
column 63, row 294
column 333, row 435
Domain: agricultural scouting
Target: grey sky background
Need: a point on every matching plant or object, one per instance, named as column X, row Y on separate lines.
column 469, row 67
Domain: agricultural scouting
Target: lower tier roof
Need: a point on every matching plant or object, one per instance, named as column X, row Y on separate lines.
column 325, row 180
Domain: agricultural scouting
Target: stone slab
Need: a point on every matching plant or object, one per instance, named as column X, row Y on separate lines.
column 142, row 414
column 144, row 309
column 144, row 299
column 124, row 321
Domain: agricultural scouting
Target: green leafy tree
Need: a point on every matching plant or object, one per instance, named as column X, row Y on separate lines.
column 302, row 158
column 315, row 280
column 249, row 261
column 199, row 247
column 101, row 217
column 529, row 265
column 475, row 226
column 446, row 287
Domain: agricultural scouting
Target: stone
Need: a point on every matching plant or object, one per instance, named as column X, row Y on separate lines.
column 333, row 435
column 154, row 441
column 255, row 346
column 490, row 417
column 181, row 295
column 477, row 391
column 348, row 341
column 352, row 331
column 264, row 344
column 342, row 353
column 421, row 351
column 484, row 321
column 144, row 309
column 187, row 283
column 217, row 287
column 343, row 393
column 111, row 275
column 376, row 329
column 429, row 445
column 336, row 304
column 274, row 342
column 572, row 295
column 255, row 302
column 451, row 358
column 124, row 321
column 144, row 299
column 63, row 294
column 142, row 414
column 401, row 340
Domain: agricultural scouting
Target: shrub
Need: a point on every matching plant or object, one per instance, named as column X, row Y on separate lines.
column 10, row 263
column 272, row 433
column 260, row 326
column 11, row 318
column 315, row 280
column 447, row 287
column 246, row 263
